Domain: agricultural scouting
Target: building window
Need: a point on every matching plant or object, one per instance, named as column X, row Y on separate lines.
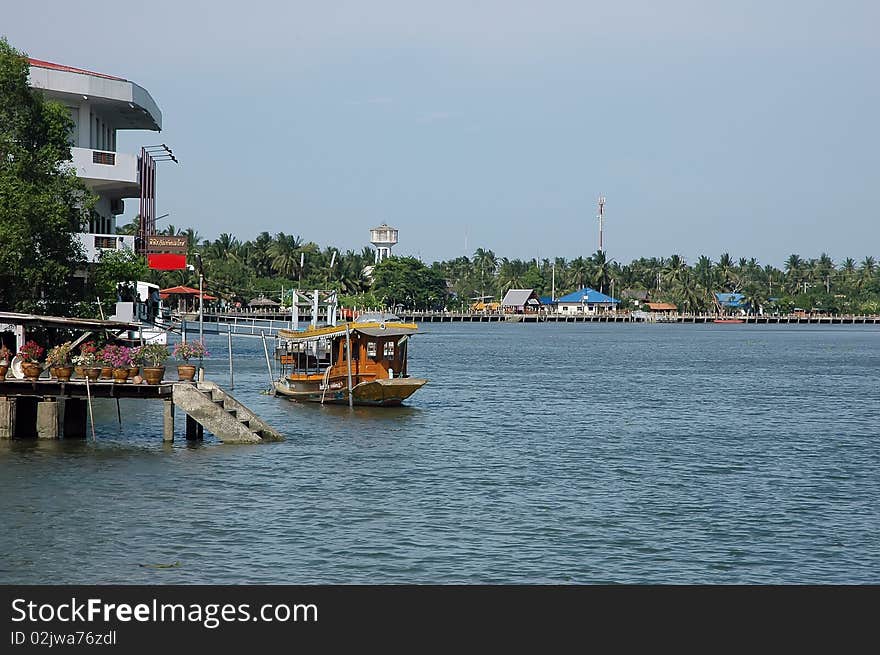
column 108, row 158
column 371, row 349
column 388, row 351
column 105, row 243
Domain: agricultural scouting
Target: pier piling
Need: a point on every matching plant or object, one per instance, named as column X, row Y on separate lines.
column 47, row 419
column 194, row 429
column 168, row 421
column 7, row 418
column 74, row 418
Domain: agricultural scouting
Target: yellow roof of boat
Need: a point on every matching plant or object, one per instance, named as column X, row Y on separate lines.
column 372, row 328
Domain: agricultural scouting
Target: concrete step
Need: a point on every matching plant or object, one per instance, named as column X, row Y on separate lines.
column 220, row 413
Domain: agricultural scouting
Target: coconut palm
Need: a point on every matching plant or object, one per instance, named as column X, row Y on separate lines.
column 601, row 273
column 794, row 266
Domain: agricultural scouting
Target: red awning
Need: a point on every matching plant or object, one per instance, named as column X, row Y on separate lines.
column 183, row 291
column 180, row 291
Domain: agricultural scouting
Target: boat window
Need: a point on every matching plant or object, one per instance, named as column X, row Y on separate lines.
column 389, row 350
column 371, row 348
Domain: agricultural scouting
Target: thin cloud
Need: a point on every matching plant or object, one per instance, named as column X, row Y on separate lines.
column 436, row 116
column 379, row 100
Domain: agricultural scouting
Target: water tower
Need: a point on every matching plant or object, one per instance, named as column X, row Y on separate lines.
column 383, row 237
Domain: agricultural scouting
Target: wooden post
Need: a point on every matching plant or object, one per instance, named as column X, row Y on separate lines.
column 168, row 422
column 91, row 413
column 268, row 363
column 231, row 373
column 7, row 418
column 348, row 363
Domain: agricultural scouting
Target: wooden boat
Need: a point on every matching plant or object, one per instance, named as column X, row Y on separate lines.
column 728, row 320
column 355, row 363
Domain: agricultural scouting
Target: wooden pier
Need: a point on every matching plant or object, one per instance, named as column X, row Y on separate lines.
column 625, row 317
column 50, row 409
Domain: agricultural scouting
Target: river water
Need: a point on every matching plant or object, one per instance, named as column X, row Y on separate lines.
column 549, row 453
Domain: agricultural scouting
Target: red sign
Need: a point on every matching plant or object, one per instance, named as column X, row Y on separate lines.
column 166, row 262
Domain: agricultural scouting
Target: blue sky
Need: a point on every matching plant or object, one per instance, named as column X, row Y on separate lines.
column 744, row 127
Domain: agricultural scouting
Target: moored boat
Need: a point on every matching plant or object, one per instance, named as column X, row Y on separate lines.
column 355, row 363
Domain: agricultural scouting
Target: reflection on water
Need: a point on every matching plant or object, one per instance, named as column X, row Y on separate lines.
column 536, row 453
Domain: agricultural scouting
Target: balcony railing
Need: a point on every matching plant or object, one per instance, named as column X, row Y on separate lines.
column 104, row 169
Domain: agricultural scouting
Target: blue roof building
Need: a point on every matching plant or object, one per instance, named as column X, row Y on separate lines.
column 585, row 300
column 588, row 296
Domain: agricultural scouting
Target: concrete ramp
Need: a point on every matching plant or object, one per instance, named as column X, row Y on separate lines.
column 221, row 414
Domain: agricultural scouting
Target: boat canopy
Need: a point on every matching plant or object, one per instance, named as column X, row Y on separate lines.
column 371, row 329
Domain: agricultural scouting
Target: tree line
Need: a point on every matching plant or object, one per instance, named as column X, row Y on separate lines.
column 236, row 269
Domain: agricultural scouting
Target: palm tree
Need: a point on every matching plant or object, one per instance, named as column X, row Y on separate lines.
column 579, row 271
column 224, row 247
column 284, row 252
column 793, row 273
column 601, row 271
column 487, row 264
column 703, row 272
column 726, row 272
column 674, row 271
column 131, row 228
column 867, row 269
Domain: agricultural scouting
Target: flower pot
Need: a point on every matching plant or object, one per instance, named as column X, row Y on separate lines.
column 31, row 370
column 63, row 373
column 186, row 372
column 79, row 371
column 92, row 372
column 120, row 375
column 154, row 374
column 106, row 372
column 133, row 370
column 4, row 369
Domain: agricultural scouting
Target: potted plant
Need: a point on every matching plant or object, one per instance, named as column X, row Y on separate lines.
column 86, row 362
column 186, row 350
column 30, row 354
column 119, row 358
column 134, row 368
column 153, row 356
column 102, row 359
column 59, row 362
column 5, row 358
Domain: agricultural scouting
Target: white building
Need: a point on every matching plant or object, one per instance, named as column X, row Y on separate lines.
column 101, row 105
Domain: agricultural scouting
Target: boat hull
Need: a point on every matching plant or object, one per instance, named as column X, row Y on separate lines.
column 374, row 393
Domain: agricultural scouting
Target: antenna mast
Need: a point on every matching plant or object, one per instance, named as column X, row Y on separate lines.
column 601, row 221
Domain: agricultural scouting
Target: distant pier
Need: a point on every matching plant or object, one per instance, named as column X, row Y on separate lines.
column 623, row 317
column 253, row 324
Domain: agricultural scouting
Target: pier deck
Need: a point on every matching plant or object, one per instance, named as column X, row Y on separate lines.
column 51, row 388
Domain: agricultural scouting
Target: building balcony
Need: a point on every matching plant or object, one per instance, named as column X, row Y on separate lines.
column 94, row 245
column 112, row 174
